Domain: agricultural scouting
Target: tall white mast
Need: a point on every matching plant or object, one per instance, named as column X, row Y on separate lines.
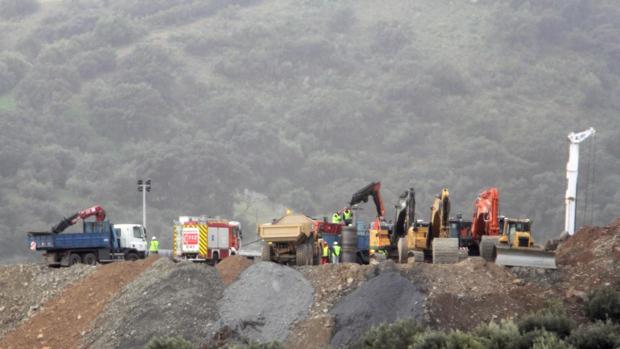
column 572, row 168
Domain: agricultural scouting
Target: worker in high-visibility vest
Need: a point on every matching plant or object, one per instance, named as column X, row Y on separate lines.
column 336, row 218
column 348, row 216
column 324, row 252
column 336, row 254
column 154, row 246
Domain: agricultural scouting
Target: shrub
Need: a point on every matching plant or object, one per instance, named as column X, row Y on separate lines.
column 256, row 345
column 499, row 336
column 169, row 343
column 557, row 323
column 397, row 335
column 116, row 31
column 599, row 335
column 548, row 340
column 453, row 340
column 17, row 8
column 603, row 304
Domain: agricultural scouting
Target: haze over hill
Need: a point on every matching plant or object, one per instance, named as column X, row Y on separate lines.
column 242, row 108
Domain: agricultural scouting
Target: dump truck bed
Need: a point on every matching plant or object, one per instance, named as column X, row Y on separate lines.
column 47, row 241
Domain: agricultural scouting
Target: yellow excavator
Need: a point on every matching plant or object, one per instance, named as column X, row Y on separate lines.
column 428, row 239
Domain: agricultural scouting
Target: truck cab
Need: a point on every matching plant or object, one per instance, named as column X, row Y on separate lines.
column 132, row 237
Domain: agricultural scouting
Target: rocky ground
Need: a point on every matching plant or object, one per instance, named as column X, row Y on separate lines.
column 306, row 307
column 25, row 287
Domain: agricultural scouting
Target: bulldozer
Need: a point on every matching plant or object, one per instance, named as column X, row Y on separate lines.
column 516, row 246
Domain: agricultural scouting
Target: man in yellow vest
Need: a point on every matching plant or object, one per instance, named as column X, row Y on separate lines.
column 336, row 218
column 324, row 252
column 336, row 254
column 348, row 216
column 154, row 246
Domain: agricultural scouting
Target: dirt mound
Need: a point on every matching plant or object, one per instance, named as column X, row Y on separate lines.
column 168, row 299
column 464, row 294
column 590, row 258
column 24, row 287
column 266, row 300
column 384, row 298
column 230, row 268
column 64, row 319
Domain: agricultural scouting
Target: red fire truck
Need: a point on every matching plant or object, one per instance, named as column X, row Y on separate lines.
column 203, row 239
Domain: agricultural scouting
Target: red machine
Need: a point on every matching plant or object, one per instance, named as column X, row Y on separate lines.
column 485, row 220
column 374, row 190
column 96, row 211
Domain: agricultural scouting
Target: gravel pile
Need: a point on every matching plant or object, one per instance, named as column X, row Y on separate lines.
column 169, row 299
column 384, row 298
column 266, row 300
column 25, row 287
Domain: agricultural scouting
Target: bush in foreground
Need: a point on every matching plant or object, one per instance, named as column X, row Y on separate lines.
column 169, row 343
column 603, row 304
column 600, row 335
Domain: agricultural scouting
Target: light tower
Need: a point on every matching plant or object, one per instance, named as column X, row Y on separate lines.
column 143, row 187
column 572, row 169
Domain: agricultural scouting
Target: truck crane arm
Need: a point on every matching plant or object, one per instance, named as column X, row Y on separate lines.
column 96, row 211
column 373, row 189
column 485, row 220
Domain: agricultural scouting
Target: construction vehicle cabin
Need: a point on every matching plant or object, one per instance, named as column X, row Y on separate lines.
column 204, row 239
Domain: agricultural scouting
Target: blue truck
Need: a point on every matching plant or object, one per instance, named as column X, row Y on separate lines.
column 99, row 242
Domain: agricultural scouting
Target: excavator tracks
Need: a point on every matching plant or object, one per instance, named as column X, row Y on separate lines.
column 445, row 250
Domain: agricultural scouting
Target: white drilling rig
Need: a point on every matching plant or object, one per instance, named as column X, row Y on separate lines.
column 572, row 169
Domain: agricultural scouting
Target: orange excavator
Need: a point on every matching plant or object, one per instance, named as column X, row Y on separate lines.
column 503, row 240
column 96, row 211
column 485, row 222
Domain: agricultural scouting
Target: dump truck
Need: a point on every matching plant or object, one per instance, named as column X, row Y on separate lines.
column 293, row 239
column 205, row 239
column 99, row 242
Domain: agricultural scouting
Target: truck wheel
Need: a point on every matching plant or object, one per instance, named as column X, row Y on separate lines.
column 300, row 254
column 74, row 258
column 90, row 259
column 131, row 256
column 266, row 253
column 487, row 247
column 403, row 252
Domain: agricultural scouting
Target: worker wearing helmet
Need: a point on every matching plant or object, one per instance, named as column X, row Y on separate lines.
column 154, row 246
column 324, row 252
column 348, row 216
column 336, row 254
column 336, row 218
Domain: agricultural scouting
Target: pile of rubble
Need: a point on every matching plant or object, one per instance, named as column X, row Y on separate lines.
column 231, row 267
column 590, row 258
column 168, row 299
column 25, row 287
column 63, row 321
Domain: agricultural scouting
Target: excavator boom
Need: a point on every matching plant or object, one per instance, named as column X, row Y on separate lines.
column 373, row 189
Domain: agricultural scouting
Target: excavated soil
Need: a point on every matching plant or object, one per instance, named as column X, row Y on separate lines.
column 462, row 295
column 168, row 299
column 230, row 268
column 64, row 319
column 25, row 287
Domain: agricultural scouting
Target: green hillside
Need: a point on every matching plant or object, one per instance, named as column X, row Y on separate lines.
column 245, row 107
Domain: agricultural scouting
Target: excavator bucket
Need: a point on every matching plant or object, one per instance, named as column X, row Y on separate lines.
column 525, row 257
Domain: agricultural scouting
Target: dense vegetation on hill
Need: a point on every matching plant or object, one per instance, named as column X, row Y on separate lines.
column 244, row 107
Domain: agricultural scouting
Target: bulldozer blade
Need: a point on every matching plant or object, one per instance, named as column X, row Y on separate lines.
column 525, row 257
